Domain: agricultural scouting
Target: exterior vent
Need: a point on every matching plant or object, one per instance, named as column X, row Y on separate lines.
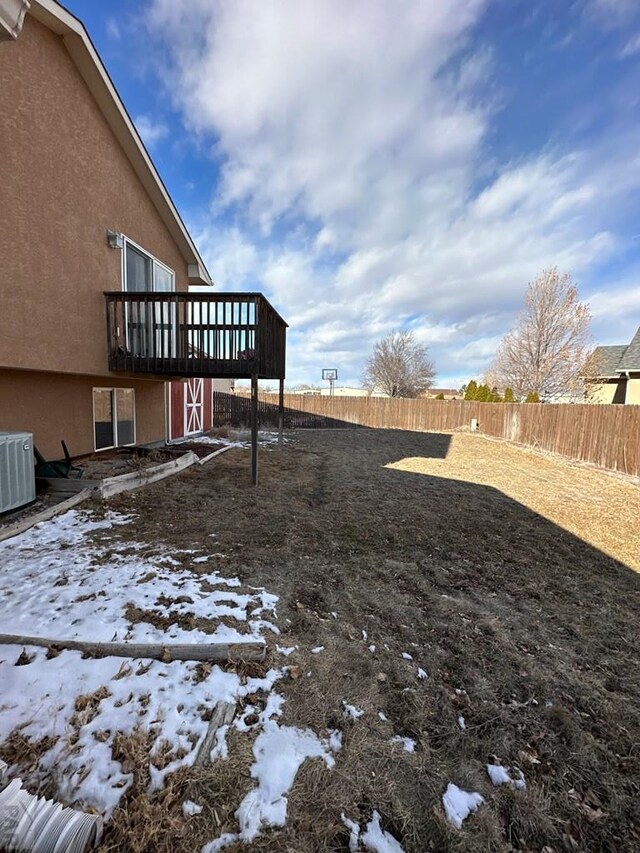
column 17, row 472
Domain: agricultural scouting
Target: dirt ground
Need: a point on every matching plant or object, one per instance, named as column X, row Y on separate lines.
column 505, row 575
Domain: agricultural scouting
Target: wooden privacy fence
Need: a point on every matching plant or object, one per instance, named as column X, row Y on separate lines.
column 607, row 436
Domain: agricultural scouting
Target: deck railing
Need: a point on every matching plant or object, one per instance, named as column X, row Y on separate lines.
column 227, row 335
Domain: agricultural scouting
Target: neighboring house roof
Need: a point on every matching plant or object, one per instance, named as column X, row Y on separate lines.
column 610, row 362
column 83, row 53
column 631, row 358
column 606, row 360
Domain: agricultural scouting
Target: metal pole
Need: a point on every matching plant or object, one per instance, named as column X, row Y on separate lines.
column 254, row 429
column 280, row 411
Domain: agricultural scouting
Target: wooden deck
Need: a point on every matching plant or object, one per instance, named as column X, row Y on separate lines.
column 221, row 336
column 216, row 336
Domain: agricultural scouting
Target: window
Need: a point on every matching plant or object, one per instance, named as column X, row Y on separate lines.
column 114, row 423
column 149, row 323
column 141, row 272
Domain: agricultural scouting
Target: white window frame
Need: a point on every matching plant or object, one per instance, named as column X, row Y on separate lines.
column 114, row 416
column 154, row 262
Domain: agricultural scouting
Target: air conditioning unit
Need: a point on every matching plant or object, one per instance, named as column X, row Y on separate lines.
column 17, row 472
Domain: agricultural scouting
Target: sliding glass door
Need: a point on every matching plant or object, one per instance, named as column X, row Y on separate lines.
column 150, row 324
column 114, row 422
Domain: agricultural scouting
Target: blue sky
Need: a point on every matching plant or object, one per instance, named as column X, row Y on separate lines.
column 373, row 166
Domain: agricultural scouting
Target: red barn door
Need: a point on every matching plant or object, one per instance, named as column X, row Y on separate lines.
column 193, row 406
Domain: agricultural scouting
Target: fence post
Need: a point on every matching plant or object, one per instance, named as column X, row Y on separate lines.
column 280, row 411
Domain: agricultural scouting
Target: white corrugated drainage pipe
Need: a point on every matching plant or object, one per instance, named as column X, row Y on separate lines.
column 37, row 825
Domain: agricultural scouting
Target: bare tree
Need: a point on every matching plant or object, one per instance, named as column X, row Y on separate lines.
column 399, row 366
column 546, row 352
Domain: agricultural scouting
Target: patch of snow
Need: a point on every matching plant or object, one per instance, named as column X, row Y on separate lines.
column 351, row 710
column 286, row 650
column 500, row 775
column 372, row 649
column 377, row 839
column 63, row 583
column 422, row 674
column 268, row 600
column 334, row 614
column 364, row 635
column 459, row 804
column 72, row 577
column 374, row 837
column 354, row 833
column 317, row 650
column 220, row 843
column 189, row 808
column 240, row 722
column 200, row 559
column 220, row 748
column 335, row 740
column 408, row 744
column 407, row 656
column 40, row 698
column 382, row 717
column 266, row 439
column 461, row 722
column 279, row 753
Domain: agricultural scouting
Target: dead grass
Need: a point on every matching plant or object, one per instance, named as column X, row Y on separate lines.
column 599, row 508
column 494, row 568
column 146, row 822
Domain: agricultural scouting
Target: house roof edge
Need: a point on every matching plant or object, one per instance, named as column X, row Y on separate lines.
column 87, row 60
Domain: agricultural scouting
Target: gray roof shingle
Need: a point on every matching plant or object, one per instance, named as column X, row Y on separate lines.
column 605, row 361
column 631, row 358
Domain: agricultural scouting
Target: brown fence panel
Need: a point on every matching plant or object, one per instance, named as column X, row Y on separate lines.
column 607, row 436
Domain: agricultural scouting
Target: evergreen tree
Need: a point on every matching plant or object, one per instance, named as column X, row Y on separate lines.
column 532, row 397
column 439, row 396
column 509, row 396
column 471, row 390
column 494, row 395
column 483, row 393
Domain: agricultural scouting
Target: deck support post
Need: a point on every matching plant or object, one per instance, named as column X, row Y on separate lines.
column 254, row 429
column 280, row 411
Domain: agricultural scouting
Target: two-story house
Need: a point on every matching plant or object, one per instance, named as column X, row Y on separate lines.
column 95, row 260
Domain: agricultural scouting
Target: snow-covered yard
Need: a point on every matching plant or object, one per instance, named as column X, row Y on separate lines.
column 70, row 578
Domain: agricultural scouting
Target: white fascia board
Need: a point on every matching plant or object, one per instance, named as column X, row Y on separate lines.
column 12, row 14
column 95, row 75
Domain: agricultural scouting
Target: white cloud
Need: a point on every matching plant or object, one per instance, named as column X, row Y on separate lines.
column 632, row 46
column 150, row 130
column 611, row 13
column 229, row 254
column 113, row 29
column 615, row 311
column 350, row 139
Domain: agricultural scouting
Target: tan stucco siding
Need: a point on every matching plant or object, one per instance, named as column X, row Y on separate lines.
column 633, row 391
column 601, row 392
column 64, row 179
column 55, row 407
